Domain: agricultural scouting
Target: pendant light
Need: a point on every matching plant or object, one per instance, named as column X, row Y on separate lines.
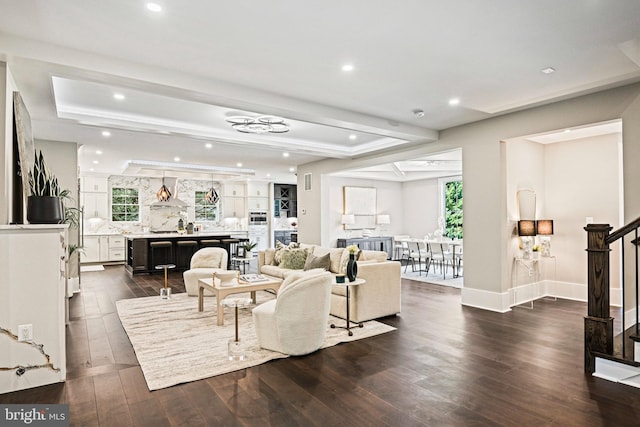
column 163, row 194
column 212, row 196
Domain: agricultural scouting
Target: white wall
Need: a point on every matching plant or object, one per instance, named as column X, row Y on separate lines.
column 388, row 201
column 567, row 191
column 581, row 181
column 421, row 206
column 486, row 226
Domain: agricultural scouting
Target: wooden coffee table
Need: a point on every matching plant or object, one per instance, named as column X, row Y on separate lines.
column 221, row 292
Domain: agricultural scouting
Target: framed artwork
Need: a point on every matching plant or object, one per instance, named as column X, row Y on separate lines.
column 361, row 202
column 240, row 253
column 26, row 149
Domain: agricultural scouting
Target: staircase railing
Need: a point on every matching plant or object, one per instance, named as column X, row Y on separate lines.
column 598, row 324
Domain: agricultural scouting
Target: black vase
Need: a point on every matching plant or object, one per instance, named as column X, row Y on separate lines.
column 44, row 210
column 352, row 268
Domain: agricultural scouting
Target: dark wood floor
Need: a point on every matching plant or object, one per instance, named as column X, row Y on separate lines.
column 446, row 365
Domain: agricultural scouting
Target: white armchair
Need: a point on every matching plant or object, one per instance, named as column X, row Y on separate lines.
column 204, row 263
column 296, row 321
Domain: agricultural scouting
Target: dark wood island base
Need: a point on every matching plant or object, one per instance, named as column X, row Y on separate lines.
column 139, row 258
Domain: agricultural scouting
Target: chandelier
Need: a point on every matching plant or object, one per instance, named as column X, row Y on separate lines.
column 260, row 124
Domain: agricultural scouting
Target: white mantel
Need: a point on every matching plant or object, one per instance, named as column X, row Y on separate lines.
column 32, row 291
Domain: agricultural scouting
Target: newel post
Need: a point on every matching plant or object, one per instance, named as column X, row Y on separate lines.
column 598, row 324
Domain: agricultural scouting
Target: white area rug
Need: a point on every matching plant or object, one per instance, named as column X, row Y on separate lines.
column 175, row 343
column 435, row 278
column 85, row 268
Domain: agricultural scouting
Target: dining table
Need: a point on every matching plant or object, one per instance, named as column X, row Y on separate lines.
column 453, row 244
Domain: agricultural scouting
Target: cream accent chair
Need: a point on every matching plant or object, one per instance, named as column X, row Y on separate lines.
column 204, row 263
column 296, row 321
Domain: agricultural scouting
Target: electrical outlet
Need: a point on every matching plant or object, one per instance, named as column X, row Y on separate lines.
column 25, row 332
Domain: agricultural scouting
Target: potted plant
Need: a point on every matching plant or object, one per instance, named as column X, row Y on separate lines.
column 248, row 247
column 44, row 205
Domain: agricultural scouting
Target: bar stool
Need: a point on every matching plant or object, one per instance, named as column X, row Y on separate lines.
column 210, row 243
column 184, row 251
column 161, row 253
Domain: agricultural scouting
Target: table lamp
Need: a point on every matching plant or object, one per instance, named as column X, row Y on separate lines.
column 383, row 221
column 545, row 229
column 348, row 219
column 526, row 230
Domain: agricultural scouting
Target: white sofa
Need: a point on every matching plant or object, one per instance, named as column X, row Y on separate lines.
column 378, row 297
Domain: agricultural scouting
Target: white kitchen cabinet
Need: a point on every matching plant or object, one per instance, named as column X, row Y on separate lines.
column 116, row 248
column 234, row 207
column 95, row 205
column 93, row 184
column 258, row 189
column 103, row 249
column 234, row 190
column 258, row 203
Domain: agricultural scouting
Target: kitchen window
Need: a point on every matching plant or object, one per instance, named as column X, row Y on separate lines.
column 124, row 204
column 205, row 211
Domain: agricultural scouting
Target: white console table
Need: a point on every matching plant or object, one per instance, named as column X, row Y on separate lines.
column 532, row 267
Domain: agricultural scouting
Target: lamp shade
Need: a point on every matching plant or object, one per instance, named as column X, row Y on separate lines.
column 348, row 219
column 383, row 219
column 545, row 227
column 526, row 227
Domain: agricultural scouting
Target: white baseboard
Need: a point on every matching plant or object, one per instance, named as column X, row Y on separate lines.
column 486, row 300
column 502, row 302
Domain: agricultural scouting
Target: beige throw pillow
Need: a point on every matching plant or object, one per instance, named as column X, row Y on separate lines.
column 345, row 259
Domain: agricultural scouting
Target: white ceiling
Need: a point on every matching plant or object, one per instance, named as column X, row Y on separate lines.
column 185, row 69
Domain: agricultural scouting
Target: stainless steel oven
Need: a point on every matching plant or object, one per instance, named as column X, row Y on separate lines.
column 258, row 218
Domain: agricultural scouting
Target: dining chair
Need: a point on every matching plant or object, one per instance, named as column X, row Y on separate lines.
column 419, row 251
column 441, row 257
column 397, row 245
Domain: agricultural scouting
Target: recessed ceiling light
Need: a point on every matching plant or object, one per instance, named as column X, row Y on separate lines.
column 95, row 162
column 91, row 169
column 353, row 137
column 567, row 130
column 154, row 7
column 548, row 70
column 292, row 169
column 454, row 101
column 176, row 159
column 239, row 164
column 106, row 133
column 118, row 96
column 268, row 175
column 285, row 154
column 208, row 145
column 98, row 151
column 347, row 67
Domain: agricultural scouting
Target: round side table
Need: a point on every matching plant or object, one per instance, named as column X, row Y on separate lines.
column 165, row 293
column 236, row 348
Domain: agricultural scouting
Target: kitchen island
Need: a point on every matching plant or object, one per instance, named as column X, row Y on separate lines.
column 139, row 256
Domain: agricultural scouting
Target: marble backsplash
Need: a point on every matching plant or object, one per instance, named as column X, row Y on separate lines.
column 162, row 218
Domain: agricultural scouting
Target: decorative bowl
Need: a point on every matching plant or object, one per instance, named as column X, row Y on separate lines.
column 227, row 278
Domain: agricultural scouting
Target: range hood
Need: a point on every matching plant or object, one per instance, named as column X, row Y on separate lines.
column 174, row 200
